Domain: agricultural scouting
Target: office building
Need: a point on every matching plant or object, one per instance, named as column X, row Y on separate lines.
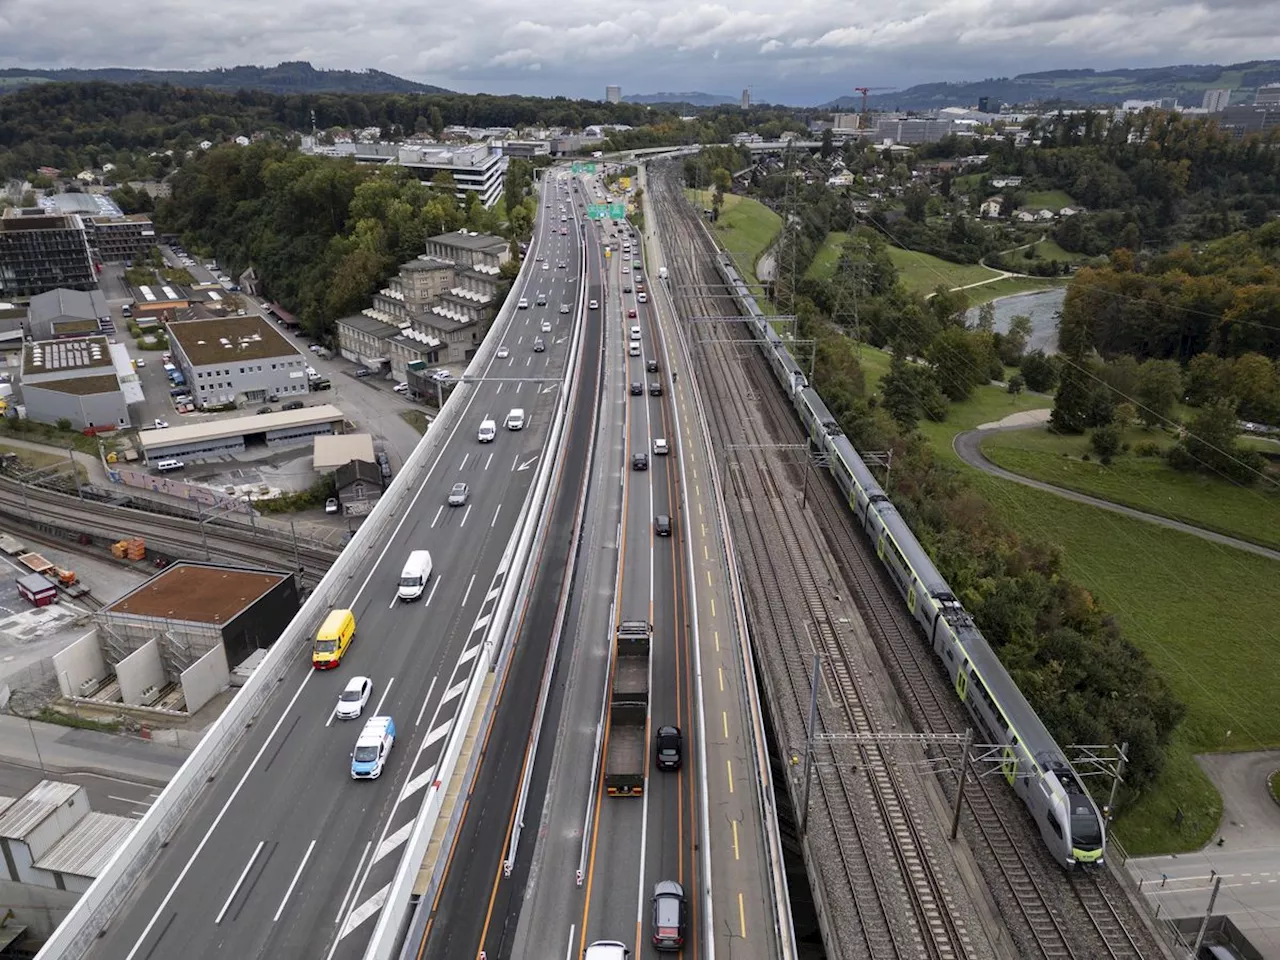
column 237, row 360
column 1268, row 95
column 77, row 381
column 984, row 104
column 67, row 314
column 1215, row 101
column 746, row 98
column 1246, row 120
column 847, row 123
column 41, row 251
column 613, row 94
column 476, row 168
column 122, row 238
column 913, row 130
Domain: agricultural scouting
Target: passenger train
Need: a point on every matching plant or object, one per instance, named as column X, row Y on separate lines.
column 1031, row 761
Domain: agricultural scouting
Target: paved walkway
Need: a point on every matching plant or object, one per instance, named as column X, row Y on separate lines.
column 968, row 447
column 57, row 750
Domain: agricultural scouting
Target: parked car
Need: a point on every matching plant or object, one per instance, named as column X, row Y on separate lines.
column 384, row 464
column 293, row 405
column 401, row 387
column 363, row 372
column 331, row 505
column 264, row 410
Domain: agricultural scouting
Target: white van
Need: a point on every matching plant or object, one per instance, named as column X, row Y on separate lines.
column 635, row 333
column 523, row 304
column 165, row 466
column 606, row 950
column 417, row 571
column 488, row 430
column 515, row 419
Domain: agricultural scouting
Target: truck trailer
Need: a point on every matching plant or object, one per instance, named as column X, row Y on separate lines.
column 625, row 750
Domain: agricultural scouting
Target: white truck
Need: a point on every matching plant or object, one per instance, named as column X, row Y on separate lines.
column 662, row 273
column 414, row 577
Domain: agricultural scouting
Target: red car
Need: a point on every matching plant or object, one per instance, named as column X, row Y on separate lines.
column 631, row 314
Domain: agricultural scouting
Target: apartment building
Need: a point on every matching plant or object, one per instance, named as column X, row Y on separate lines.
column 40, row 251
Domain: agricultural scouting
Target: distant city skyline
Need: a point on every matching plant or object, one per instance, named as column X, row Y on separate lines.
column 802, row 53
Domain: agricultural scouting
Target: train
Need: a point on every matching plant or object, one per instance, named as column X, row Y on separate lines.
column 1065, row 814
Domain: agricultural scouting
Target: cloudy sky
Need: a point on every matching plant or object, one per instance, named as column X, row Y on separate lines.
column 786, row 51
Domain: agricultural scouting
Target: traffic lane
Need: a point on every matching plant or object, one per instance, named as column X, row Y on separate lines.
column 123, row 797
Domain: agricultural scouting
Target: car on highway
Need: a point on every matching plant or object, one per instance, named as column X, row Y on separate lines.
column 631, row 313
column 637, row 389
column 640, row 461
column 655, row 388
column 606, row 950
column 633, row 349
column 668, row 915
column 540, row 258
column 372, row 748
column 331, row 505
column 662, row 525
column 564, row 308
column 353, row 698
column 546, row 266
column 459, row 493
column 332, row 639
column 562, row 265
column 488, row 430
column 626, row 270
column 651, row 365
column 669, row 744
column 626, row 288
column 660, row 447
column 503, row 352
column 564, row 232
column 642, row 297
column 515, row 419
column 593, row 305
column 542, row 299
column 523, row 304
column 545, row 326
column 538, row 345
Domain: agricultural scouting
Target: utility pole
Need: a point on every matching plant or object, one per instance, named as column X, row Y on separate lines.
column 964, row 771
column 808, row 747
column 1208, row 912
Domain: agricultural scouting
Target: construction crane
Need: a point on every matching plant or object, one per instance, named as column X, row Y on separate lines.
column 866, row 90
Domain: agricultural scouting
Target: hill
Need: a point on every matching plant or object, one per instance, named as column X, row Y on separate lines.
column 293, row 77
column 1187, row 82
column 693, row 99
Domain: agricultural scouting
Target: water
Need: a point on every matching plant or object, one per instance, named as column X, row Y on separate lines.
column 1041, row 306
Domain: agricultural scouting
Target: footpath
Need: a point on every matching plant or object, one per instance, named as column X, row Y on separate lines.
column 59, row 750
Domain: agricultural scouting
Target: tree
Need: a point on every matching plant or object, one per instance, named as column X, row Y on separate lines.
column 908, row 392
column 1014, row 342
column 959, row 362
column 915, row 199
column 1208, row 376
column 1159, row 388
column 1017, row 383
column 1040, row 371
column 436, row 119
column 1105, row 441
column 828, row 144
column 1072, row 404
column 986, row 318
column 1209, row 445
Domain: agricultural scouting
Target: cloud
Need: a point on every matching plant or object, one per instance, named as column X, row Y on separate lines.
column 800, row 51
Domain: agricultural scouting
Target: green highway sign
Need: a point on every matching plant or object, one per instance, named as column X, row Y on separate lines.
column 579, row 167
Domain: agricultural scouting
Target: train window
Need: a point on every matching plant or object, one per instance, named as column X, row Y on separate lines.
column 1054, row 825
column 897, row 554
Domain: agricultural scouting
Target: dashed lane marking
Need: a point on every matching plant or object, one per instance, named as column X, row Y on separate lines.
column 735, row 840
column 742, row 917
column 729, row 764
column 724, row 715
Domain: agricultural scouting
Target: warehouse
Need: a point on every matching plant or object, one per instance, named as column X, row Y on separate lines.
column 237, row 360
column 224, row 438
column 77, row 381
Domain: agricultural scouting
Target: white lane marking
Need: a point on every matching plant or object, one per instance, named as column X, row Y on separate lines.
column 426, row 699
column 487, row 462
column 378, row 709
column 465, row 513
column 499, row 390
column 417, row 783
column 495, row 516
column 573, row 928
column 468, row 654
column 393, row 841
column 436, row 518
column 515, row 464
column 342, row 907
column 131, row 800
column 528, row 463
column 454, row 691
column 186, row 868
column 519, row 384
column 236, row 889
column 465, row 458
column 294, row 882
column 482, row 622
column 470, row 583
column 494, row 593
column 434, row 586
column 439, row 733
column 365, row 911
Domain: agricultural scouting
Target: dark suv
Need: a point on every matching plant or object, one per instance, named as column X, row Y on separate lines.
column 651, row 365
column 670, row 747
column 640, row 461
column 655, row 389
column 637, row 389
column 662, row 525
column 668, row 915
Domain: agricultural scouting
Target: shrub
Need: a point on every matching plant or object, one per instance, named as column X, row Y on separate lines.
column 1105, row 441
column 1147, row 448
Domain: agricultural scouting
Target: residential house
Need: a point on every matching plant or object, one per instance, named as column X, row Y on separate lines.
column 990, row 207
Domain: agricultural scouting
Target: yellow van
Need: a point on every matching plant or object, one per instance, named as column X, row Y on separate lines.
column 332, row 639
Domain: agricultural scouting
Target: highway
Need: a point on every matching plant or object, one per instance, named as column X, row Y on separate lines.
column 285, row 855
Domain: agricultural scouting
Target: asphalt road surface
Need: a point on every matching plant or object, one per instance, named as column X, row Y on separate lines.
column 285, row 855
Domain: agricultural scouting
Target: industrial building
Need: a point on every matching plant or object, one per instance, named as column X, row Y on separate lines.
column 40, row 251
column 225, row 438
column 76, row 380
column 916, row 129
column 1244, row 121
column 480, row 251
column 159, row 301
column 232, row 360
column 476, row 168
column 126, row 237
column 68, row 314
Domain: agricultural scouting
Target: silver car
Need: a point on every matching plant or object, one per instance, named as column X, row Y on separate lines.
column 459, row 494
column 353, row 698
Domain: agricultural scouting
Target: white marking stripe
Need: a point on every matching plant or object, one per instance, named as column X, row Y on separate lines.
column 493, row 594
column 417, row 783
column 439, row 733
column 468, row 654
column 393, row 841
column 482, row 622
column 452, row 692
column 366, row 910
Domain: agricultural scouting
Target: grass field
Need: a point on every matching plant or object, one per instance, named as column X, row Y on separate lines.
column 1053, row 200
column 921, row 272
column 824, row 263
column 1178, row 598
column 745, row 229
column 1010, row 286
column 1146, row 483
column 416, row 419
column 1048, row 250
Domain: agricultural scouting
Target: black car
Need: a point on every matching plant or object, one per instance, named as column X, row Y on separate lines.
column 668, row 915
column 293, row 405
column 637, row 389
column 655, row 389
column 662, row 525
column 627, row 288
column 670, row 748
column 640, row 461
column 651, row 366
column 363, row 372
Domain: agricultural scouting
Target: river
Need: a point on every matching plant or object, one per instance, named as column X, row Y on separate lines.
column 1042, row 306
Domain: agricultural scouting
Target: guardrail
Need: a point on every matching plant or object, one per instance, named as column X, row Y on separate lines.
column 783, row 926
column 495, row 656
column 95, row 908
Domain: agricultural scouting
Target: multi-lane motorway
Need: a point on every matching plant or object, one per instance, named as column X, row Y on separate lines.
column 285, row 855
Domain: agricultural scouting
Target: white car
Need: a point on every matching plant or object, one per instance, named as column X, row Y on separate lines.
column 515, row 419
column 626, row 269
column 331, row 505
column 161, row 424
column 660, row 448
column 488, row 430
column 140, row 362
column 593, row 305
column 523, row 304
column 353, row 698
column 546, row 266
column 401, row 388
column 546, row 326
column 503, row 352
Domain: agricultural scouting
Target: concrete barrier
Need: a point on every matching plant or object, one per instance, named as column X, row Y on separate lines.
column 97, row 906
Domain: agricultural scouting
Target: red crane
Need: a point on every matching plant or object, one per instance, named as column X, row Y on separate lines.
column 866, row 90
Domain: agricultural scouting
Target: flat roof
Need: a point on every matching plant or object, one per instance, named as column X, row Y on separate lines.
column 29, row 811
column 467, row 240
column 240, row 426
column 82, row 353
column 87, row 847
column 335, row 451
column 230, row 339
column 78, row 386
column 198, row 593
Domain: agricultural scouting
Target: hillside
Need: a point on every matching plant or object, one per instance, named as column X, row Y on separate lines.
column 693, row 99
column 1083, row 87
column 286, row 78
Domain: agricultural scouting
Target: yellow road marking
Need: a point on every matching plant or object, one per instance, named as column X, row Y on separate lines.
column 717, row 633
column 720, row 672
column 713, row 606
column 735, row 840
column 705, row 554
column 724, row 715
column 729, row 764
column 708, row 578
column 742, row 918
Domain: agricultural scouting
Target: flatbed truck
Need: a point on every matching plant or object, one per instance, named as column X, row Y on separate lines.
column 628, row 710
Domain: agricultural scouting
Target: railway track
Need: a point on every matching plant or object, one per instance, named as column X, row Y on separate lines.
column 1052, row 915
column 901, row 907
